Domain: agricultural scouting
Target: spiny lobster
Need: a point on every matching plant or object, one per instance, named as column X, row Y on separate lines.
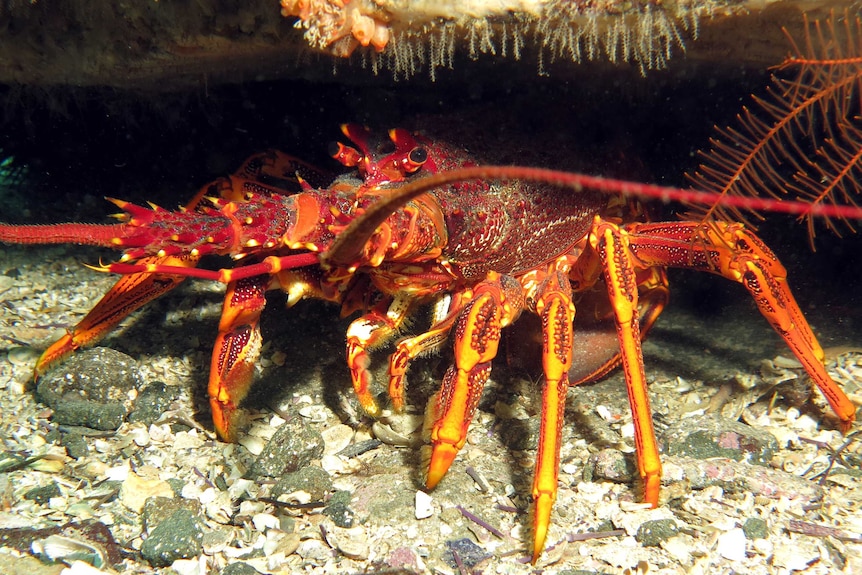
column 484, row 243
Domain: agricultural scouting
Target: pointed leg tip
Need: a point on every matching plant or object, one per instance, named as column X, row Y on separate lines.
column 442, row 456
column 225, row 420
column 542, row 505
column 538, row 546
column 369, row 405
column 651, row 490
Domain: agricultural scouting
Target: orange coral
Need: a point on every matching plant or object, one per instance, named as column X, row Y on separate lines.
column 338, row 26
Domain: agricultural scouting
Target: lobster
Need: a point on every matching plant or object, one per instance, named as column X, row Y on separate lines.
column 423, row 223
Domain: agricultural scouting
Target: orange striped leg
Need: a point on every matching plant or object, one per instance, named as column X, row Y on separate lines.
column 557, row 312
column 374, row 328
column 236, row 351
column 130, row 293
column 497, row 302
column 612, row 245
column 766, row 280
column 410, row 348
column 738, row 255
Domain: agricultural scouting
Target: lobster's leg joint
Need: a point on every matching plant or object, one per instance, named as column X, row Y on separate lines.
column 412, row 347
column 236, row 351
column 130, row 293
column 372, row 329
column 497, row 302
column 733, row 252
column 612, row 245
column 557, row 312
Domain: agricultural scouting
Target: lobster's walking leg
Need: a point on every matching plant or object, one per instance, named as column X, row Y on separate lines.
column 597, row 349
column 497, row 301
column 236, row 351
column 130, row 293
column 374, row 328
column 735, row 253
column 555, row 307
column 612, row 245
column 412, row 347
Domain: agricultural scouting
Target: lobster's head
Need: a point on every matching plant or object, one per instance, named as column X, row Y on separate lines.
column 378, row 163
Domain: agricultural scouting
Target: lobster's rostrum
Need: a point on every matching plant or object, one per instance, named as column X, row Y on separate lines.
column 424, row 223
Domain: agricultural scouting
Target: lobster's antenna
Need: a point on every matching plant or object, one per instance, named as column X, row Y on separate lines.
column 348, row 245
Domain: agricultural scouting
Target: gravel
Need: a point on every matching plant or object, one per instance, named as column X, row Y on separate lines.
column 249, row 507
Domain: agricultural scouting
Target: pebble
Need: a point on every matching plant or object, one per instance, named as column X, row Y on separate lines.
column 731, row 545
column 336, row 438
column 755, row 528
column 75, row 444
column 351, row 542
column 216, row 541
column 468, row 552
column 43, row 493
column 179, row 536
column 264, row 521
column 652, row 533
column 22, row 355
column 314, row 551
column 338, row 509
column 135, row 491
column 389, row 436
column 93, row 388
column 153, row 400
column 312, row 480
column 159, row 509
column 239, row 568
column 424, row 507
column 610, row 464
column 292, row 447
column 339, row 465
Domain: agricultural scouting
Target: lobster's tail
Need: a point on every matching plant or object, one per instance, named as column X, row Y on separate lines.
column 82, row 234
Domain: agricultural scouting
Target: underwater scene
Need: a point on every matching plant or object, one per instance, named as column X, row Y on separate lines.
column 364, row 286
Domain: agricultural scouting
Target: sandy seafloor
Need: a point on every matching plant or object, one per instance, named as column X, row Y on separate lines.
column 689, row 356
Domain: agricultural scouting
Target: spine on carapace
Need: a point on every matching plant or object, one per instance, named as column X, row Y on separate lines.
column 81, row 234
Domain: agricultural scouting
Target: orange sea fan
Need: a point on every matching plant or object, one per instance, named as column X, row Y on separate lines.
column 803, row 140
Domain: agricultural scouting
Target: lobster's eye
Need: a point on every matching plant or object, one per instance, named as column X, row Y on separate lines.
column 418, row 156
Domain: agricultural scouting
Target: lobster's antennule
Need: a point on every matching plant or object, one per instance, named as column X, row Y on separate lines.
column 82, row 234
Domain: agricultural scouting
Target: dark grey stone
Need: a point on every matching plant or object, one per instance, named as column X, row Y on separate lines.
column 91, row 388
column 338, row 509
column 652, row 533
column 152, row 401
column 292, row 447
column 755, row 528
column 239, row 568
column 43, row 493
column 177, row 537
column 312, row 479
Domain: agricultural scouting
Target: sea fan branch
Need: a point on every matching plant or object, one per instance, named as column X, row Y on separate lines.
column 803, row 140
